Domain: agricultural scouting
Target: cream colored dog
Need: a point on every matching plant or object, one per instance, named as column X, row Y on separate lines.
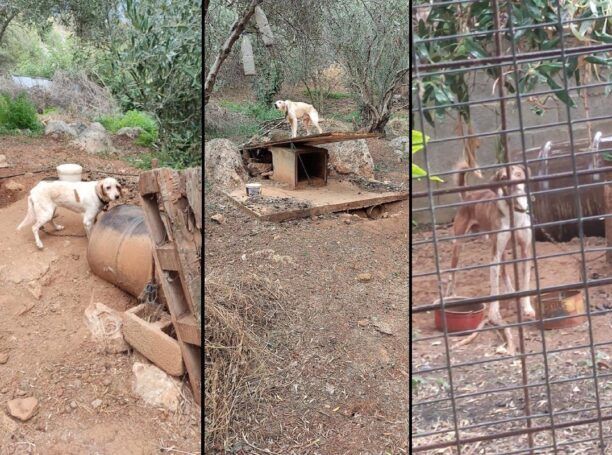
column 295, row 110
column 88, row 198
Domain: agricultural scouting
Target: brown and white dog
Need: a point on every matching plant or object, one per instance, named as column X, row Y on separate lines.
column 88, row 198
column 295, row 111
column 485, row 213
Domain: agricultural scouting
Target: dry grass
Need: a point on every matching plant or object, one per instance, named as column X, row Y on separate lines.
column 77, row 94
column 237, row 311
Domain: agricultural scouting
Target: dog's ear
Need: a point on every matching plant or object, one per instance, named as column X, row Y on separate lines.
column 526, row 170
column 500, row 175
column 100, row 190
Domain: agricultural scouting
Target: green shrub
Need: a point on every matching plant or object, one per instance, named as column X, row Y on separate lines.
column 327, row 95
column 133, row 119
column 258, row 111
column 18, row 113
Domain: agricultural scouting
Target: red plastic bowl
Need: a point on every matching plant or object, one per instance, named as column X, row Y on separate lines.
column 459, row 318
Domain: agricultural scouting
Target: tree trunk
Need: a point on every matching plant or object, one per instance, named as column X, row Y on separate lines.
column 4, row 25
column 235, row 32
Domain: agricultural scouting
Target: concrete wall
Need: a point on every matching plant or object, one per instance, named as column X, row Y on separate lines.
column 486, row 118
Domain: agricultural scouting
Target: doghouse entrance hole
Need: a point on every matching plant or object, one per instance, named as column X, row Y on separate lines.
column 311, row 166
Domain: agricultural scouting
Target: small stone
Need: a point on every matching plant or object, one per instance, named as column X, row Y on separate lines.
column 347, row 221
column 3, row 162
column 23, row 408
column 106, row 382
column 383, row 327
column 35, row 289
column 364, row 277
column 20, row 393
column 3, row 357
column 218, row 218
column 362, row 322
column 73, row 404
column 11, row 185
column 96, row 403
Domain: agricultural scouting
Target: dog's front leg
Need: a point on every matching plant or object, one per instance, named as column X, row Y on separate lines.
column 494, row 313
column 88, row 222
column 293, row 123
column 528, row 310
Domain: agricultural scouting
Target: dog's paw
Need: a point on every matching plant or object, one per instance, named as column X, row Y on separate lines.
column 39, row 245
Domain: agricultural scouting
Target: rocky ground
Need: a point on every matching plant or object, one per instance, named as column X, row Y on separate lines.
column 81, row 398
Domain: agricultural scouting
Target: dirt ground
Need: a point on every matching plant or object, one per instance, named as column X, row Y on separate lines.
column 50, row 354
column 338, row 349
column 571, row 394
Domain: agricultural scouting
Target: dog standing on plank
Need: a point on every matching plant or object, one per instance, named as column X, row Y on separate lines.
column 88, row 198
column 485, row 212
column 295, row 111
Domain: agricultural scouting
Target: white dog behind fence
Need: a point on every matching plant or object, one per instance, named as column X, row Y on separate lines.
column 88, row 198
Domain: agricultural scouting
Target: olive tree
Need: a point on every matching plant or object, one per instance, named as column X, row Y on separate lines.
column 369, row 38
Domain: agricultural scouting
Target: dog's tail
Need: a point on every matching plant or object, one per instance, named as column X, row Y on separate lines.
column 461, row 169
column 30, row 216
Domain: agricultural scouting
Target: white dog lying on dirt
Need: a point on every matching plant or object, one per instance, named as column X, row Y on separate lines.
column 295, row 110
column 88, row 198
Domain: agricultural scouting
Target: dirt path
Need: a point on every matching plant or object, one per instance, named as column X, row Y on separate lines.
column 50, row 354
column 339, row 346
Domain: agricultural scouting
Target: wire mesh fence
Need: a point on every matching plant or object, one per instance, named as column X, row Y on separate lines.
column 517, row 91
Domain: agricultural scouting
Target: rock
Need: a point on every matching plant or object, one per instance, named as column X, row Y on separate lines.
column 351, row 157
column 106, row 382
column 96, row 403
column 95, row 140
column 73, row 404
column 382, row 327
column 218, row 218
column 20, row 393
column 105, row 327
column 4, row 356
column 364, row 277
column 223, row 164
column 97, row 126
column 130, row 131
column 397, row 126
column 400, row 146
column 59, row 128
column 332, row 125
column 156, row 387
column 3, row 162
column 23, row 408
column 35, row 289
column 79, row 127
column 363, row 322
column 12, row 185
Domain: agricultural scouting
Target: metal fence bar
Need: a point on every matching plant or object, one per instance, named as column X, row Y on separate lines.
column 444, row 323
column 455, row 400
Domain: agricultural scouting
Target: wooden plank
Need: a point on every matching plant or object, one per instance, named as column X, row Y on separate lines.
column 190, row 330
column 320, row 210
column 175, row 205
column 313, row 139
column 175, row 293
column 147, row 183
column 193, row 189
column 167, row 257
column 148, row 339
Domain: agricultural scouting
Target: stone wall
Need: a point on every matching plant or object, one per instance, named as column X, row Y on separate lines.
column 486, row 118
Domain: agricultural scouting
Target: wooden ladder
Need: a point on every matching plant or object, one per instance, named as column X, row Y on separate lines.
column 172, row 203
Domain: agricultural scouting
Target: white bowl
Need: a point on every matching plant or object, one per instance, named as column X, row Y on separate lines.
column 69, row 172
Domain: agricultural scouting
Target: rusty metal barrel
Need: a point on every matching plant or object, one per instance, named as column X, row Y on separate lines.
column 120, row 250
column 560, row 203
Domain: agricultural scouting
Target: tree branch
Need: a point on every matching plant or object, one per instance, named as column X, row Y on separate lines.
column 235, row 32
